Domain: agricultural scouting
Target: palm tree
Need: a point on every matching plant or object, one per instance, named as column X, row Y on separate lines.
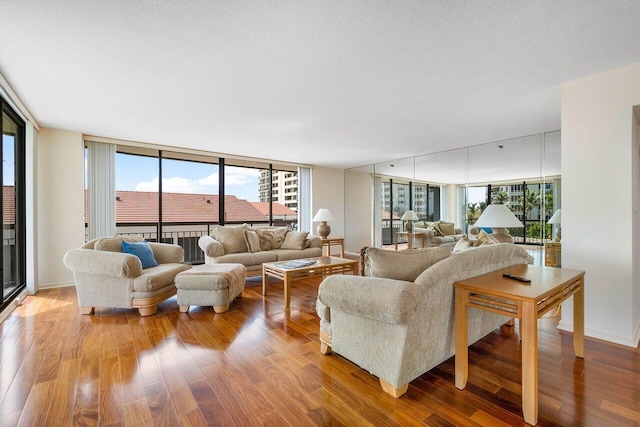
column 500, row 198
column 530, row 201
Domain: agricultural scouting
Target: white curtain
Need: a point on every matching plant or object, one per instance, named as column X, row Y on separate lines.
column 101, row 187
column 304, row 199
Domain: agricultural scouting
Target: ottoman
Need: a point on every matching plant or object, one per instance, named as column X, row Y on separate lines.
column 211, row 285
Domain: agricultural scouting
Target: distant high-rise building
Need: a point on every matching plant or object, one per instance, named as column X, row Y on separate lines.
column 284, row 188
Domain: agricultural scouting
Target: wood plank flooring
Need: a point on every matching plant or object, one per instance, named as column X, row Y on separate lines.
column 259, row 364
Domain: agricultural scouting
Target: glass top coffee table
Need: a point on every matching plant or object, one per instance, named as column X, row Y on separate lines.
column 294, row 270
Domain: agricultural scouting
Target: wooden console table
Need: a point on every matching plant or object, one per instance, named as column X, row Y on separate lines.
column 526, row 301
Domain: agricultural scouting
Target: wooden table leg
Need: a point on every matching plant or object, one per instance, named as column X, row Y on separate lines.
column 396, row 241
column 287, row 290
column 462, row 349
column 265, row 282
column 529, row 347
column 578, row 321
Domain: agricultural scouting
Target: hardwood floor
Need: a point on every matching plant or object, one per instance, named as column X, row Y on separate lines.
column 258, row 364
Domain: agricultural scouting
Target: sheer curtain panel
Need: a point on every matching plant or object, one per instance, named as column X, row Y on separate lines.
column 101, row 188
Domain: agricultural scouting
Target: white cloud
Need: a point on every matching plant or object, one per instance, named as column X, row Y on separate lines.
column 234, row 177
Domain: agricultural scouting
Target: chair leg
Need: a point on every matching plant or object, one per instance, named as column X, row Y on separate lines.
column 184, row 308
column 148, row 311
column 221, row 308
column 393, row 391
column 87, row 310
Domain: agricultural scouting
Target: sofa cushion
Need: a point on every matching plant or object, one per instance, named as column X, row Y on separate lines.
column 114, row 244
column 486, row 239
column 403, row 265
column 439, row 240
column 142, row 250
column 231, row 238
column 294, row 240
column 158, row 277
column 446, row 228
column 271, row 238
column 463, row 244
column 252, row 241
column 248, row 259
column 289, row 254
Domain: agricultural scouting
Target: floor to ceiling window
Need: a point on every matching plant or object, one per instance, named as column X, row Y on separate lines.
column 13, row 204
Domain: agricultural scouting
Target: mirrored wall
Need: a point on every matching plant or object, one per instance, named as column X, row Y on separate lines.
column 456, row 185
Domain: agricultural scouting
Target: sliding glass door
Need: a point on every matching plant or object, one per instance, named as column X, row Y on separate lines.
column 12, row 204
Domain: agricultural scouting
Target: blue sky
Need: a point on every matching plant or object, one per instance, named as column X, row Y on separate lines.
column 137, row 173
column 8, row 176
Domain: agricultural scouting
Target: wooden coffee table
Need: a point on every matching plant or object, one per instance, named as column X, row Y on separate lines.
column 528, row 302
column 322, row 266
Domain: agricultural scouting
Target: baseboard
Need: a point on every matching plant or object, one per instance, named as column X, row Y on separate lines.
column 636, row 335
column 55, row 285
column 12, row 306
column 604, row 336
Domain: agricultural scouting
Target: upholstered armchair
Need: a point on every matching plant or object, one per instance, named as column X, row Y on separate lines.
column 107, row 277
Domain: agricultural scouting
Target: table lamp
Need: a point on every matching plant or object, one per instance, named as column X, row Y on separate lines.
column 499, row 218
column 323, row 215
column 409, row 216
column 556, row 218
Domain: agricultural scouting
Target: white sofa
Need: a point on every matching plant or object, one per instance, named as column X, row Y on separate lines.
column 400, row 324
column 230, row 244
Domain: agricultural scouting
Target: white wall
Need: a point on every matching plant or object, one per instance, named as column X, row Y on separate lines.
column 60, row 167
column 327, row 191
column 358, row 209
column 600, row 195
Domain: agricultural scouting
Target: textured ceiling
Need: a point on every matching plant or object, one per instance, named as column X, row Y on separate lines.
column 332, row 83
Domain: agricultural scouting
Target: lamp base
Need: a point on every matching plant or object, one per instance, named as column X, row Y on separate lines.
column 323, row 230
column 501, row 234
column 409, row 226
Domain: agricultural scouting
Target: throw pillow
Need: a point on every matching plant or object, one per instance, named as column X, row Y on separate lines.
column 142, row 250
column 271, row 238
column 446, row 228
column 252, row 241
column 462, row 244
column 294, row 240
column 114, row 244
column 485, row 239
column 404, row 265
column 232, row 238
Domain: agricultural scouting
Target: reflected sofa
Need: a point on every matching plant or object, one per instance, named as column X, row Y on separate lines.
column 438, row 233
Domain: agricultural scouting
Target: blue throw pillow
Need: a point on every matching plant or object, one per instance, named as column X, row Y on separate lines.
column 142, row 250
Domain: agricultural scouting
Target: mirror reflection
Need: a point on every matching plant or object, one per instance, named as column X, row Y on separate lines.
column 455, row 187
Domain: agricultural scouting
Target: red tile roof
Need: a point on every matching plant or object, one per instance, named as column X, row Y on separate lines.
column 8, row 205
column 142, row 207
column 277, row 209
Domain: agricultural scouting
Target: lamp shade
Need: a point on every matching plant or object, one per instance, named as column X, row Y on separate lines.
column 498, row 216
column 556, row 218
column 409, row 216
column 323, row 215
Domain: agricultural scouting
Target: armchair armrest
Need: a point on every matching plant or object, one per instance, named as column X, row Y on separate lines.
column 211, row 247
column 103, row 263
column 166, row 253
column 385, row 300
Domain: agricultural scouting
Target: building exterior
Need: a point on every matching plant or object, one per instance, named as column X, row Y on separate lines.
column 284, row 188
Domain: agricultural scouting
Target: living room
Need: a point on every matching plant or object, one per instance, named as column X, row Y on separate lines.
column 579, row 72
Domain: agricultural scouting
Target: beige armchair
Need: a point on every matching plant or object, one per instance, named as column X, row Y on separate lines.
column 106, row 277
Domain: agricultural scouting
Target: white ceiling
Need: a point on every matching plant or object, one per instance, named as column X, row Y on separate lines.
column 331, row 83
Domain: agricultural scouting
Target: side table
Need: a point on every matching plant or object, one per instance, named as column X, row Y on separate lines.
column 526, row 301
column 338, row 241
